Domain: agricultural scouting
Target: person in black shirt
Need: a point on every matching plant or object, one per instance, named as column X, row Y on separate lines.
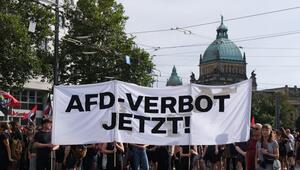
column 72, row 160
column 114, row 151
column 231, row 156
column 164, row 156
column 90, row 160
column 42, row 143
column 241, row 161
column 5, row 153
column 59, row 157
column 16, row 144
column 187, row 153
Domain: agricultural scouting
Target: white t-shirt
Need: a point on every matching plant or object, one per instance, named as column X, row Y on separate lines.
column 291, row 140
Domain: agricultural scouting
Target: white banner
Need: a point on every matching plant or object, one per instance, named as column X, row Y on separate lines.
column 183, row 115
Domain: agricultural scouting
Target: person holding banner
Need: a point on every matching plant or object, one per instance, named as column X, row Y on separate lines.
column 164, row 155
column 176, row 157
column 114, row 153
column 42, row 143
column 139, row 157
column 187, row 154
column 90, row 160
column 240, row 162
column 73, row 156
column 59, row 157
column 199, row 161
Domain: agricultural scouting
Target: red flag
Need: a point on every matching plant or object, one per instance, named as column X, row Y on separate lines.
column 252, row 121
column 48, row 109
column 30, row 115
column 12, row 101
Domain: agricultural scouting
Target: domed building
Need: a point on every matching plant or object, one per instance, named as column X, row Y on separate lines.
column 174, row 79
column 222, row 62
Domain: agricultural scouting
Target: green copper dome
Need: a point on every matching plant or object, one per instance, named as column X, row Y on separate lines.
column 222, row 48
column 174, row 80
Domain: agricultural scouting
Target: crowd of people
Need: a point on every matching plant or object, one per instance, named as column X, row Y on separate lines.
column 29, row 148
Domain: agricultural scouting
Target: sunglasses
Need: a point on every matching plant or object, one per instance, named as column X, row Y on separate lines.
column 255, row 128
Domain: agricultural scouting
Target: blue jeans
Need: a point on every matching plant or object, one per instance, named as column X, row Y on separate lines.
column 139, row 159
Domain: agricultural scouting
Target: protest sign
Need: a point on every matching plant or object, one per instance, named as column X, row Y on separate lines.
column 185, row 115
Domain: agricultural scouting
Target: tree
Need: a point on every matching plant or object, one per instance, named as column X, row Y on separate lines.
column 21, row 55
column 96, row 45
column 263, row 108
column 16, row 56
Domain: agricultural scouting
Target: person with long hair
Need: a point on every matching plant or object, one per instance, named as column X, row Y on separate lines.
column 176, row 157
column 267, row 149
column 282, row 140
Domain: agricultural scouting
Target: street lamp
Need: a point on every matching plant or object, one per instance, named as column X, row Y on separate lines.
column 56, row 38
column 154, row 74
column 277, row 110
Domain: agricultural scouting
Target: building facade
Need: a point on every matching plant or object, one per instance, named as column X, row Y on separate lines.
column 35, row 92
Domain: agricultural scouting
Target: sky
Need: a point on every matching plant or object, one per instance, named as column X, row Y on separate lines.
column 275, row 59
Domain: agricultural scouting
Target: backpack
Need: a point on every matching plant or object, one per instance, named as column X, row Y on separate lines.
column 16, row 149
column 80, row 151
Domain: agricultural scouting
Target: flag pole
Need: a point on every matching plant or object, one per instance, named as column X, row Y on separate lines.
column 189, row 164
column 115, row 134
column 52, row 160
column 115, row 155
column 7, row 115
column 171, row 151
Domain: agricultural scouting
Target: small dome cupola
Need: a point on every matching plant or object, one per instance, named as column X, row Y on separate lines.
column 222, row 48
column 174, row 79
column 222, row 30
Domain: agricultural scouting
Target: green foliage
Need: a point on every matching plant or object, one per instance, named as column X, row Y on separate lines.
column 286, row 110
column 17, row 59
column 265, row 118
column 21, row 57
column 263, row 108
column 103, row 21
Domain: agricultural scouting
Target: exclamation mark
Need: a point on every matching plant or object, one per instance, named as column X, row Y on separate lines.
column 187, row 124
